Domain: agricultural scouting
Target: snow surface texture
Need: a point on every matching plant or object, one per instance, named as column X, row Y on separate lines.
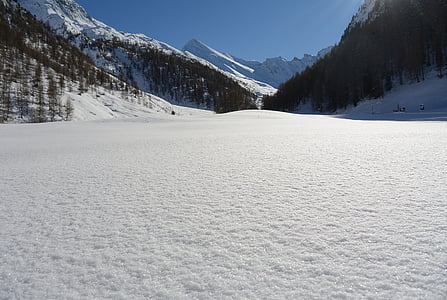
column 252, row 205
column 273, row 71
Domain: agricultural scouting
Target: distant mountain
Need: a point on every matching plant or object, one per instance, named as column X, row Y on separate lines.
column 273, row 71
column 388, row 43
column 152, row 66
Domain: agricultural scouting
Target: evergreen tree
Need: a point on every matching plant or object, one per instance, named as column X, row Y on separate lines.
column 53, row 106
column 69, row 109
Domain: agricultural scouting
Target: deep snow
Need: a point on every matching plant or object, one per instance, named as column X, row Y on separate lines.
column 253, row 205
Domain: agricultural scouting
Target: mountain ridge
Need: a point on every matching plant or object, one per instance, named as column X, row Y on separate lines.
column 273, row 71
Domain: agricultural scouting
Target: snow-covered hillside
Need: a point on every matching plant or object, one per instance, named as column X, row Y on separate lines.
column 105, row 105
column 250, row 205
column 273, row 71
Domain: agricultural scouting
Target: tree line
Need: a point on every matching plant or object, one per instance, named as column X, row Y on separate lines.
column 408, row 37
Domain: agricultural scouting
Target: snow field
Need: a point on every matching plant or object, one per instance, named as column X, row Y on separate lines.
column 252, row 205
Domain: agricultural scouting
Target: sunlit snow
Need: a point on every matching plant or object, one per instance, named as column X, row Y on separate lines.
column 246, row 205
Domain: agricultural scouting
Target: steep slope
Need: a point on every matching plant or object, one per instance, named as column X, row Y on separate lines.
column 273, row 71
column 153, row 66
column 398, row 43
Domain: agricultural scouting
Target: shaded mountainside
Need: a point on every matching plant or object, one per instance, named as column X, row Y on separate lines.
column 397, row 45
column 150, row 65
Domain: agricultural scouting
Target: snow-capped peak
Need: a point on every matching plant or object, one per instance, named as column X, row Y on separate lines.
column 62, row 14
column 67, row 16
column 370, row 10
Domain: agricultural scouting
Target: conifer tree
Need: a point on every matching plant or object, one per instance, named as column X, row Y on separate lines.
column 69, row 109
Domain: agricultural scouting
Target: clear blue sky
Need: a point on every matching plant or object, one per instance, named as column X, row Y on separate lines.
column 249, row 29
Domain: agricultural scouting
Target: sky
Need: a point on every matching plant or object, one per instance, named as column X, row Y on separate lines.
column 248, row 29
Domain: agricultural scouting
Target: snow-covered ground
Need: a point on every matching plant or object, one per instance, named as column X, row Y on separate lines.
column 254, row 205
column 430, row 93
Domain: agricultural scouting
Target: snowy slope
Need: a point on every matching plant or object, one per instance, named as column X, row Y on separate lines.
column 273, row 71
column 107, row 105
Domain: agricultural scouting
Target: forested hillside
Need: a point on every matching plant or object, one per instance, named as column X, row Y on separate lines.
column 37, row 67
column 168, row 75
column 405, row 39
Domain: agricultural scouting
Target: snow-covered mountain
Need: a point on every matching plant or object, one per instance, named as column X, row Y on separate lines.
column 151, row 65
column 68, row 18
column 272, row 71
